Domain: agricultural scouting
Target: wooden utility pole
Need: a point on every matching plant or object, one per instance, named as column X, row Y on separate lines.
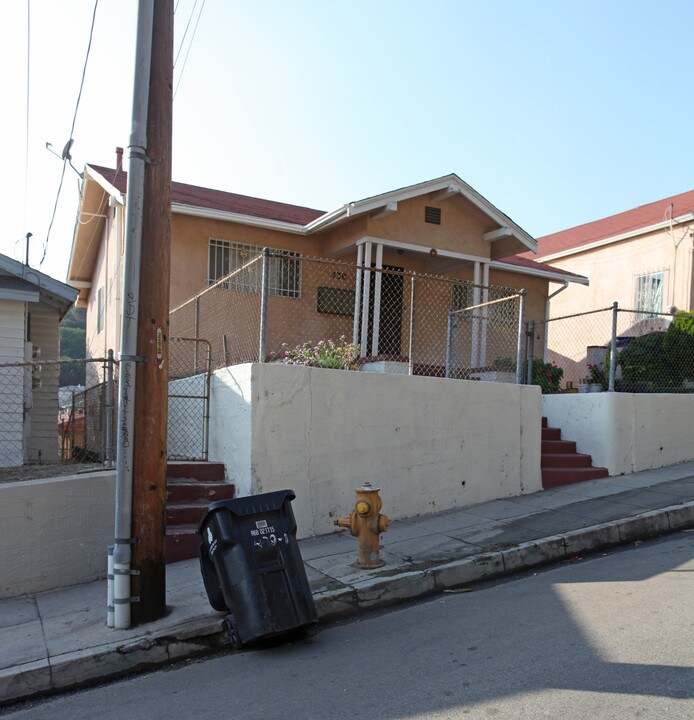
column 151, row 395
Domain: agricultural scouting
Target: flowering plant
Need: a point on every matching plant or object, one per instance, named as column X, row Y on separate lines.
column 339, row 354
column 547, row 375
column 597, row 375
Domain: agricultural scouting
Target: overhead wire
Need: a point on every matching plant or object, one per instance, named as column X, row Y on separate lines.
column 190, row 44
column 66, row 150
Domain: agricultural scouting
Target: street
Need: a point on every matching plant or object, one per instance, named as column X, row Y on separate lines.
column 611, row 636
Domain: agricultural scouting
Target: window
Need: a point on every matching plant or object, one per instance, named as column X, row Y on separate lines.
column 649, row 293
column 244, row 264
column 100, row 310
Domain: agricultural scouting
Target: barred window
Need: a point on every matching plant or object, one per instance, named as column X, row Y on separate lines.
column 649, row 293
column 244, row 266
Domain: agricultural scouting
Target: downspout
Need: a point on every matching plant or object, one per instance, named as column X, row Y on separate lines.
column 546, row 323
column 122, row 554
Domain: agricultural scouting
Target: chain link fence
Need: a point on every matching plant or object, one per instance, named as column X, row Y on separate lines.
column 396, row 320
column 653, row 352
column 189, row 399
column 42, row 423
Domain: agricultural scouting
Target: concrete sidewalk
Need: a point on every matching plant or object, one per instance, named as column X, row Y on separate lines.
column 58, row 639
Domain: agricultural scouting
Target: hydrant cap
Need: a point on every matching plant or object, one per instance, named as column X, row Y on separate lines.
column 367, row 487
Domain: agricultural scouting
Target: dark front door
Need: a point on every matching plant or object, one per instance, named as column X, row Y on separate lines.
column 390, row 324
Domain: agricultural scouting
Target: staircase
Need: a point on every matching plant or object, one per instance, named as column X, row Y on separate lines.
column 561, row 464
column 190, row 488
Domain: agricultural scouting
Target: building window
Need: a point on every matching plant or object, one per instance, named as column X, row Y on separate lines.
column 100, row 310
column 244, row 266
column 649, row 293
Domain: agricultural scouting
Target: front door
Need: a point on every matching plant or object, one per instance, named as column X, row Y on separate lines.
column 390, row 322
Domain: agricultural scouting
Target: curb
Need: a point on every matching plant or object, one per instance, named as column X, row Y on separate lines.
column 204, row 635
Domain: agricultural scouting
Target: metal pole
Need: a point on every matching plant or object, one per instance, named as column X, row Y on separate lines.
column 197, row 334
column 530, row 353
column 452, row 325
column 263, row 304
column 519, row 350
column 613, row 346
column 108, row 447
column 413, row 297
column 357, row 295
column 225, row 350
column 122, row 553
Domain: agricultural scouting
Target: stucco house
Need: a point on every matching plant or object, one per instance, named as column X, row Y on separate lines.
column 441, row 227
column 642, row 258
column 32, row 305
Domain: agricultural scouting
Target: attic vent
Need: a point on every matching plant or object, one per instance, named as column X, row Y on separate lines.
column 432, row 215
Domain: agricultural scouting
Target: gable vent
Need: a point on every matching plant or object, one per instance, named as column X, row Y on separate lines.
column 432, row 215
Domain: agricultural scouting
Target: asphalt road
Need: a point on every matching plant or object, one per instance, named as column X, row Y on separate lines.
column 607, row 637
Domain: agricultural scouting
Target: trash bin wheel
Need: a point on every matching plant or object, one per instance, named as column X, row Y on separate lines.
column 230, row 630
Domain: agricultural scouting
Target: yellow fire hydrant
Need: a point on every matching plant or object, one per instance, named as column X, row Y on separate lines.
column 366, row 523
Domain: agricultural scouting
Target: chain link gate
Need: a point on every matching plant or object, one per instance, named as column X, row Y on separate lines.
column 190, row 362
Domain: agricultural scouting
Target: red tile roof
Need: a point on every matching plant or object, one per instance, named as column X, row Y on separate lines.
column 224, row 201
column 635, row 219
column 526, row 262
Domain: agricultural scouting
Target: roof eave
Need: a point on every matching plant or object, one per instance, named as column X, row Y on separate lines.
column 226, row 216
column 539, row 272
column 688, row 217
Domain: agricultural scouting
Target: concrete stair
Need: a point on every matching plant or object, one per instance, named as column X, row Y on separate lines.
column 190, row 488
column 561, row 464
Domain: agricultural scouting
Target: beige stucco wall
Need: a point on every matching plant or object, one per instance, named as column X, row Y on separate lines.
column 55, row 532
column 626, row 432
column 613, row 269
column 431, row 444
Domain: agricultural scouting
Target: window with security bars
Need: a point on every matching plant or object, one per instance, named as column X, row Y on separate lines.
column 649, row 293
column 245, row 266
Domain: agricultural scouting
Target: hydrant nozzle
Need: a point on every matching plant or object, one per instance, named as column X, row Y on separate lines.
column 366, row 523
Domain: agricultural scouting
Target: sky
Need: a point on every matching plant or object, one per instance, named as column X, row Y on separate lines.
column 559, row 112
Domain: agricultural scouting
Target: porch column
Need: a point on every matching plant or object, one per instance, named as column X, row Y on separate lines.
column 485, row 314
column 357, row 295
column 475, row 343
column 377, row 299
column 366, row 274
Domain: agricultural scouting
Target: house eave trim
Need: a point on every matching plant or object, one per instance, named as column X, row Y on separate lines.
column 689, row 217
column 210, row 214
column 539, row 272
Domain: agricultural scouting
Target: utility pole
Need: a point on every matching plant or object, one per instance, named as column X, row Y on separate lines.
column 151, row 387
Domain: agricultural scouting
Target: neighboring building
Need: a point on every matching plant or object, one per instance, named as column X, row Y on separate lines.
column 32, row 305
column 642, row 258
column 442, row 227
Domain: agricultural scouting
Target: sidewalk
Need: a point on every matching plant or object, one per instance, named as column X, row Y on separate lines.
column 58, row 639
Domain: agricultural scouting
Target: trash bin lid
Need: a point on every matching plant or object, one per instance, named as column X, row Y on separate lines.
column 250, row 505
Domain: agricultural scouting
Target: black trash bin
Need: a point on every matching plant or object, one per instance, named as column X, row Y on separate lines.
column 251, row 565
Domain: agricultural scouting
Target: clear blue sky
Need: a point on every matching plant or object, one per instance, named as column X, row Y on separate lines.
column 558, row 111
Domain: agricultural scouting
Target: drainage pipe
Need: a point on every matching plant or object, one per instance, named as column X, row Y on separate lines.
column 122, row 554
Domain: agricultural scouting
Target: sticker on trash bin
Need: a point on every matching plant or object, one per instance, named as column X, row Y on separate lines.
column 211, row 541
column 266, row 541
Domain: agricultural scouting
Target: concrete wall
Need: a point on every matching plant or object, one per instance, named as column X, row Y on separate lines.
column 626, row 432
column 431, row 444
column 55, row 532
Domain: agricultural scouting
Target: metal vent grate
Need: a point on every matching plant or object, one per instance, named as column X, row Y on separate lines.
column 432, row 215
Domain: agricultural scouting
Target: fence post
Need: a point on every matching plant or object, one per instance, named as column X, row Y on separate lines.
column 108, row 445
column 449, row 342
column 263, row 304
column 519, row 349
column 196, row 334
column 410, row 351
column 530, row 354
column 613, row 346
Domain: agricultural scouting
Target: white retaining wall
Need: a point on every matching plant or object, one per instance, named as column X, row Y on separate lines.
column 55, row 532
column 430, row 444
column 626, row 432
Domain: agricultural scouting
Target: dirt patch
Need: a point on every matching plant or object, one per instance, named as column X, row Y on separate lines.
column 37, row 472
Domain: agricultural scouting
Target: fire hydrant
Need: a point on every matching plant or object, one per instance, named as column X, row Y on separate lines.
column 366, row 523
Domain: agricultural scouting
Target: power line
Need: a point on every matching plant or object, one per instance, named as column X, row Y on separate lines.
column 185, row 60
column 66, row 150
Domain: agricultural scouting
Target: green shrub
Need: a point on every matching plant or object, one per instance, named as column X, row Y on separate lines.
column 647, row 366
column 678, row 343
column 339, row 355
column 547, row 376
